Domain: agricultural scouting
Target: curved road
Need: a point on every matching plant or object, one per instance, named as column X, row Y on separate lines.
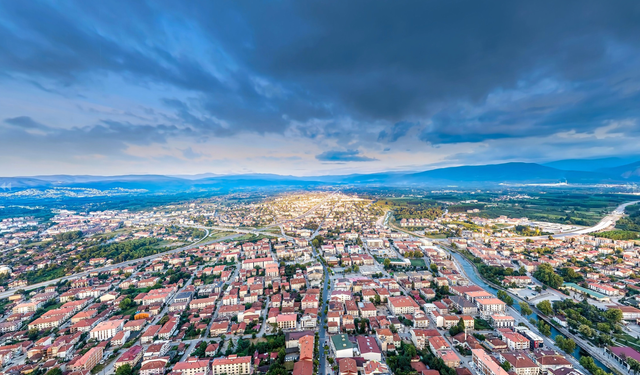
column 604, row 223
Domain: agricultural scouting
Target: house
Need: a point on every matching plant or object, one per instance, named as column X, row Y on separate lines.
column 88, row 361
column 342, row 347
column 106, row 330
column 490, row 306
column 402, row 305
column 347, row 366
column 199, row 367
column 369, row 348
column 287, row 321
column 485, row 365
column 131, row 357
column 154, row 366
column 520, row 363
column 232, row 365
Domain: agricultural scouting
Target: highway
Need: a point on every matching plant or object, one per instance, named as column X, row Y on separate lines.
column 606, row 222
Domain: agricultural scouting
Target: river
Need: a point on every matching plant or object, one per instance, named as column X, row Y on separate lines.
column 473, row 276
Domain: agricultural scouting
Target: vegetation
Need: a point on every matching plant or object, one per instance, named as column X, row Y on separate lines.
column 623, row 235
column 565, row 344
column 525, row 309
column 544, row 328
column 590, row 365
column 631, row 222
column 454, row 330
column 546, row 275
column 545, row 307
column 502, row 295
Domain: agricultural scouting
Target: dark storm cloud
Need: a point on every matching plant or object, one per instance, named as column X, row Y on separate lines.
column 258, row 66
column 106, row 137
column 343, row 156
column 398, row 130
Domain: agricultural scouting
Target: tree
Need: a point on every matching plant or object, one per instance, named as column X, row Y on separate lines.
column 454, row 330
column 525, row 309
column 613, row 316
column 545, row 307
column 125, row 304
column 565, row 344
column 544, row 328
column 547, row 276
column 124, row 370
column 387, row 262
column 633, row 365
column 585, row 330
column 54, row 371
column 506, row 365
column 434, row 267
column 505, row 297
column 522, row 271
column 164, row 319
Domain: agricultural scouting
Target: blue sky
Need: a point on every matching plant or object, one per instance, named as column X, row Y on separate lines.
column 291, row 87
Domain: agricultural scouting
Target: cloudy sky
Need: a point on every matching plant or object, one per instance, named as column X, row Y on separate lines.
column 313, row 87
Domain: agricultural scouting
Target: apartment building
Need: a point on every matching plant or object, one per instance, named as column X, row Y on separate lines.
column 232, row 365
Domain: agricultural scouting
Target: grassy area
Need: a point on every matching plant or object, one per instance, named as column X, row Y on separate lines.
column 217, row 235
column 436, row 236
column 418, row 263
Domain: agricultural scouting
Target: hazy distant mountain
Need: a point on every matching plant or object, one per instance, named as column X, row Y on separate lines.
column 591, row 165
column 627, row 171
column 492, row 174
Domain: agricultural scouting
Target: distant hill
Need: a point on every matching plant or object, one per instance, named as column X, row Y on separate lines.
column 627, row 171
column 591, row 165
column 485, row 175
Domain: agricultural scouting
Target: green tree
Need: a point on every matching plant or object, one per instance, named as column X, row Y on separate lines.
column 525, row 309
column 613, row 316
column 544, row 328
column 125, row 369
column 506, row 365
column 565, row 344
column 125, row 304
column 454, row 330
column 164, row 319
column 545, row 307
column 54, row 371
column 433, row 267
column 547, row 276
column 387, row 262
column 633, row 365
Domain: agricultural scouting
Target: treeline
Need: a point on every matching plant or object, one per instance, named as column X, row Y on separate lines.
column 68, row 236
column 123, row 251
column 418, row 212
column 546, row 275
column 631, row 222
column 620, row 235
column 465, row 207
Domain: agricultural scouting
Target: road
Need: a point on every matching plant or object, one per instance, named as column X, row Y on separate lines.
column 606, row 222
column 321, row 317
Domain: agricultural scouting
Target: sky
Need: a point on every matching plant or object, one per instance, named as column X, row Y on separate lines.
column 313, row 87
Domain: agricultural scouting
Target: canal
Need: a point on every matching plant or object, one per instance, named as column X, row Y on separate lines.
column 473, row 276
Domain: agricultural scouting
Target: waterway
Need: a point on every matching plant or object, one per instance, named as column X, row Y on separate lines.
column 473, row 276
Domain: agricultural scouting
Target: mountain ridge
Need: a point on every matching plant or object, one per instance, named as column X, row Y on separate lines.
column 488, row 174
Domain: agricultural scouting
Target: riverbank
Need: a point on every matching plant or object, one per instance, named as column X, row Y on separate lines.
column 472, row 273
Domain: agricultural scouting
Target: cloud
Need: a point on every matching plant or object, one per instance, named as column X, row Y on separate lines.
column 343, row 156
column 399, row 129
column 352, row 76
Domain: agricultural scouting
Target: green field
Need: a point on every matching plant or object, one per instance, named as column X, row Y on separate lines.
column 418, row 263
column 567, row 206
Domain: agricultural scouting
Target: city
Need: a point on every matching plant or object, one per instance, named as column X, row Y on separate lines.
column 315, row 283
column 299, row 187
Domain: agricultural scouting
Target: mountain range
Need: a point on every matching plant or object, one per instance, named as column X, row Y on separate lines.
column 588, row 171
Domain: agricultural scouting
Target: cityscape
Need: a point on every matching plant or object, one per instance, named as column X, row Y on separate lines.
column 213, row 187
